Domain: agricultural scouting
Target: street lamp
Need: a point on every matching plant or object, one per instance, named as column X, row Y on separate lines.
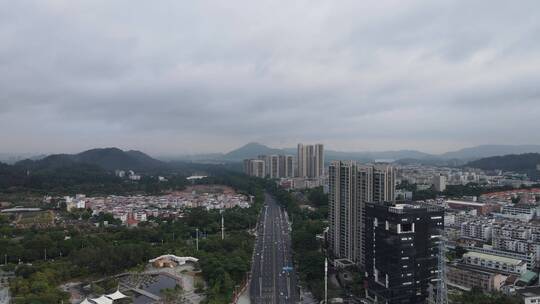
column 197, row 238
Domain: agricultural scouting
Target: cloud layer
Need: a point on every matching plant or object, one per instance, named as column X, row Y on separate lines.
column 173, row 77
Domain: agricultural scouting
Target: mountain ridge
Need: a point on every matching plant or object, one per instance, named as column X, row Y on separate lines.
column 483, row 151
column 105, row 158
column 138, row 159
column 252, row 150
column 528, row 163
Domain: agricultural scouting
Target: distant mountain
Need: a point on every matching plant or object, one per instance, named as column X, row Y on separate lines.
column 432, row 161
column 524, row 163
column 106, row 158
column 197, row 158
column 11, row 158
column 453, row 158
column 251, row 150
column 490, row 150
column 507, row 162
column 376, row 155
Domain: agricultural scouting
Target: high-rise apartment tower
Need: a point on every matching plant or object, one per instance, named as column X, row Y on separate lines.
column 254, row 167
column 310, row 161
column 350, row 186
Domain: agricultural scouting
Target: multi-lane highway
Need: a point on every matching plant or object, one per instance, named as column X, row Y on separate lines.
column 272, row 277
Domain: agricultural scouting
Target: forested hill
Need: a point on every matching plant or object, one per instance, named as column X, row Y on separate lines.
column 524, row 163
column 107, row 158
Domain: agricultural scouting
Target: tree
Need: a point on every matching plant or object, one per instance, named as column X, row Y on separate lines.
column 358, row 284
column 477, row 296
column 110, row 250
column 405, row 185
column 420, row 195
column 317, row 197
column 460, row 251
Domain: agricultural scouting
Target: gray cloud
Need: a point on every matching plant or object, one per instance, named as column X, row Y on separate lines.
column 185, row 77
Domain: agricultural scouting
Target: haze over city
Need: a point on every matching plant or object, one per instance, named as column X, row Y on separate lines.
column 207, row 76
column 269, row 152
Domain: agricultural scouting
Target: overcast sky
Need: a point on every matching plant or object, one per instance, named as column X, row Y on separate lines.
column 180, row 77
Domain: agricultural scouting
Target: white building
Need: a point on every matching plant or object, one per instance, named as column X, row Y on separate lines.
column 439, row 182
column 140, row 216
column 529, row 258
column 477, row 230
column 520, row 212
column 530, row 295
column 135, row 177
column 494, row 262
column 81, row 204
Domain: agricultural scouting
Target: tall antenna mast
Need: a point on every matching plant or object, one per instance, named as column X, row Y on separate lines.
column 442, row 295
column 197, row 238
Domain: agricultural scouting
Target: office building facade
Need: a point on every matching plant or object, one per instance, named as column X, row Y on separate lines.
column 401, row 251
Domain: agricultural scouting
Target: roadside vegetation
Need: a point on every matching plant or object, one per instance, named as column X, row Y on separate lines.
column 44, row 259
column 477, row 296
column 308, row 250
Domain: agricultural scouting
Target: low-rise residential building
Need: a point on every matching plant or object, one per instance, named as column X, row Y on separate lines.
column 516, row 236
column 494, row 262
column 530, row 295
column 477, row 230
column 467, row 277
column 480, row 207
column 520, row 212
column 527, row 196
column 529, row 258
column 131, row 210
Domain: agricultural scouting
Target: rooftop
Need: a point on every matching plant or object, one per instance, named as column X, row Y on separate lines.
column 472, row 268
column 13, row 210
column 492, row 257
column 522, row 206
column 465, row 203
column 529, row 291
column 528, row 277
column 408, row 207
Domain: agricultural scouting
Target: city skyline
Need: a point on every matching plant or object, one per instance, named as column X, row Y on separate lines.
column 270, row 152
column 206, row 77
column 467, row 153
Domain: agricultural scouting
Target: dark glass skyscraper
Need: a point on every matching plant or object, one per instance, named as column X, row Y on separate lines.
column 401, row 251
